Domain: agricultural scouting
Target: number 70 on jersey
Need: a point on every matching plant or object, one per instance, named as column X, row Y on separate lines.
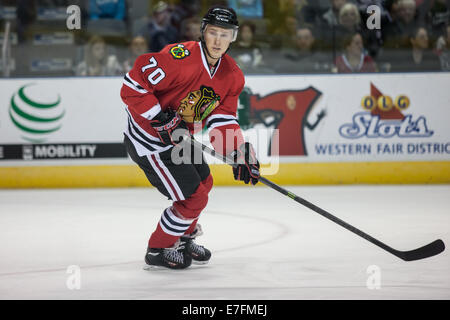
column 157, row 75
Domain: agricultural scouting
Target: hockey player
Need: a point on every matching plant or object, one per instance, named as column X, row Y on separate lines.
column 182, row 85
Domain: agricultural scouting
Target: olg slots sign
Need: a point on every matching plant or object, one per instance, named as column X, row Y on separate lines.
column 384, row 118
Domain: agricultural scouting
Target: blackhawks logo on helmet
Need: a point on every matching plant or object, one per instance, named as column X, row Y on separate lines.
column 179, row 51
column 198, row 104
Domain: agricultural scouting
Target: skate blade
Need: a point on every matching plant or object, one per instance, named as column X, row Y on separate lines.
column 199, row 263
column 161, row 268
column 153, row 268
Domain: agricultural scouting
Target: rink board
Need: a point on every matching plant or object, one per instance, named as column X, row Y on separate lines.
column 327, row 129
column 288, row 174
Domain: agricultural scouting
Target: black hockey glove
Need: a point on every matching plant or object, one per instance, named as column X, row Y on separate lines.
column 166, row 123
column 247, row 168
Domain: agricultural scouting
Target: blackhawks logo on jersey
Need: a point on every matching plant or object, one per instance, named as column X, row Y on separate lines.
column 179, row 52
column 198, row 104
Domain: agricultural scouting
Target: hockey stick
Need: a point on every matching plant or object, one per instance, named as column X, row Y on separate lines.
column 426, row 251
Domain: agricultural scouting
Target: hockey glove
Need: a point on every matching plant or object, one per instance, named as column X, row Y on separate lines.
column 166, row 123
column 247, row 168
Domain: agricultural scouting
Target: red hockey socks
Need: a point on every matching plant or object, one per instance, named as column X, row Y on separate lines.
column 181, row 218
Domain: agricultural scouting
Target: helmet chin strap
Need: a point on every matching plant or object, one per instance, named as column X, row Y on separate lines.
column 205, row 48
column 202, row 40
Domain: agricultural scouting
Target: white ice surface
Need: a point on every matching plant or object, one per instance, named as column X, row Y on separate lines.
column 264, row 245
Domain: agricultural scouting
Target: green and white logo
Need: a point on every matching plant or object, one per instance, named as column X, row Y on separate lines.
column 36, row 112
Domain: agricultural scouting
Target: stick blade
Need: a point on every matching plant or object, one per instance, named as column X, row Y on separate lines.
column 426, row 251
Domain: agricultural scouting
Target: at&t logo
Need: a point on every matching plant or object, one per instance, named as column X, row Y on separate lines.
column 36, row 112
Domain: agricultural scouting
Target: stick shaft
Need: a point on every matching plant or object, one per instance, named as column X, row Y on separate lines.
column 300, row 200
column 426, row 251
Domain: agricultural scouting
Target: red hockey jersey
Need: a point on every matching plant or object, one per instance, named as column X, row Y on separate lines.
column 179, row 75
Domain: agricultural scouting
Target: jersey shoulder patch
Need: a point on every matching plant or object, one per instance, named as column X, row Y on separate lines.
column 179, row 51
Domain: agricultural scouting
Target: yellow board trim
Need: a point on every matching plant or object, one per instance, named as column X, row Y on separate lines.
column 288, row 174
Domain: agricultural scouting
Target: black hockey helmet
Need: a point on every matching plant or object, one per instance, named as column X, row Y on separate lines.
column 223, row 17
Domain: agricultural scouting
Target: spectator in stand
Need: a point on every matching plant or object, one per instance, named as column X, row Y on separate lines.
column 349, row 22
column 419, row 58
column 331, row 17
column 354, row 59
column 246, row 51
column 304, row 58
column 396, row 33
column 184, row 10
column 107, row 9
column 138, row 46
column 96, row 60
column 159, row 32
column 349, row 18
column 190, row 29
column 284, row 35
column 436, row 15
column 443, row 49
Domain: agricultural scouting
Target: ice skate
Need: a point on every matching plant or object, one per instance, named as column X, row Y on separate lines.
column 199, row 254
column 173, row 258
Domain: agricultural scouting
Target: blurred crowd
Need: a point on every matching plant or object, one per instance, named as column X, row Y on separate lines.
column 275, row 36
